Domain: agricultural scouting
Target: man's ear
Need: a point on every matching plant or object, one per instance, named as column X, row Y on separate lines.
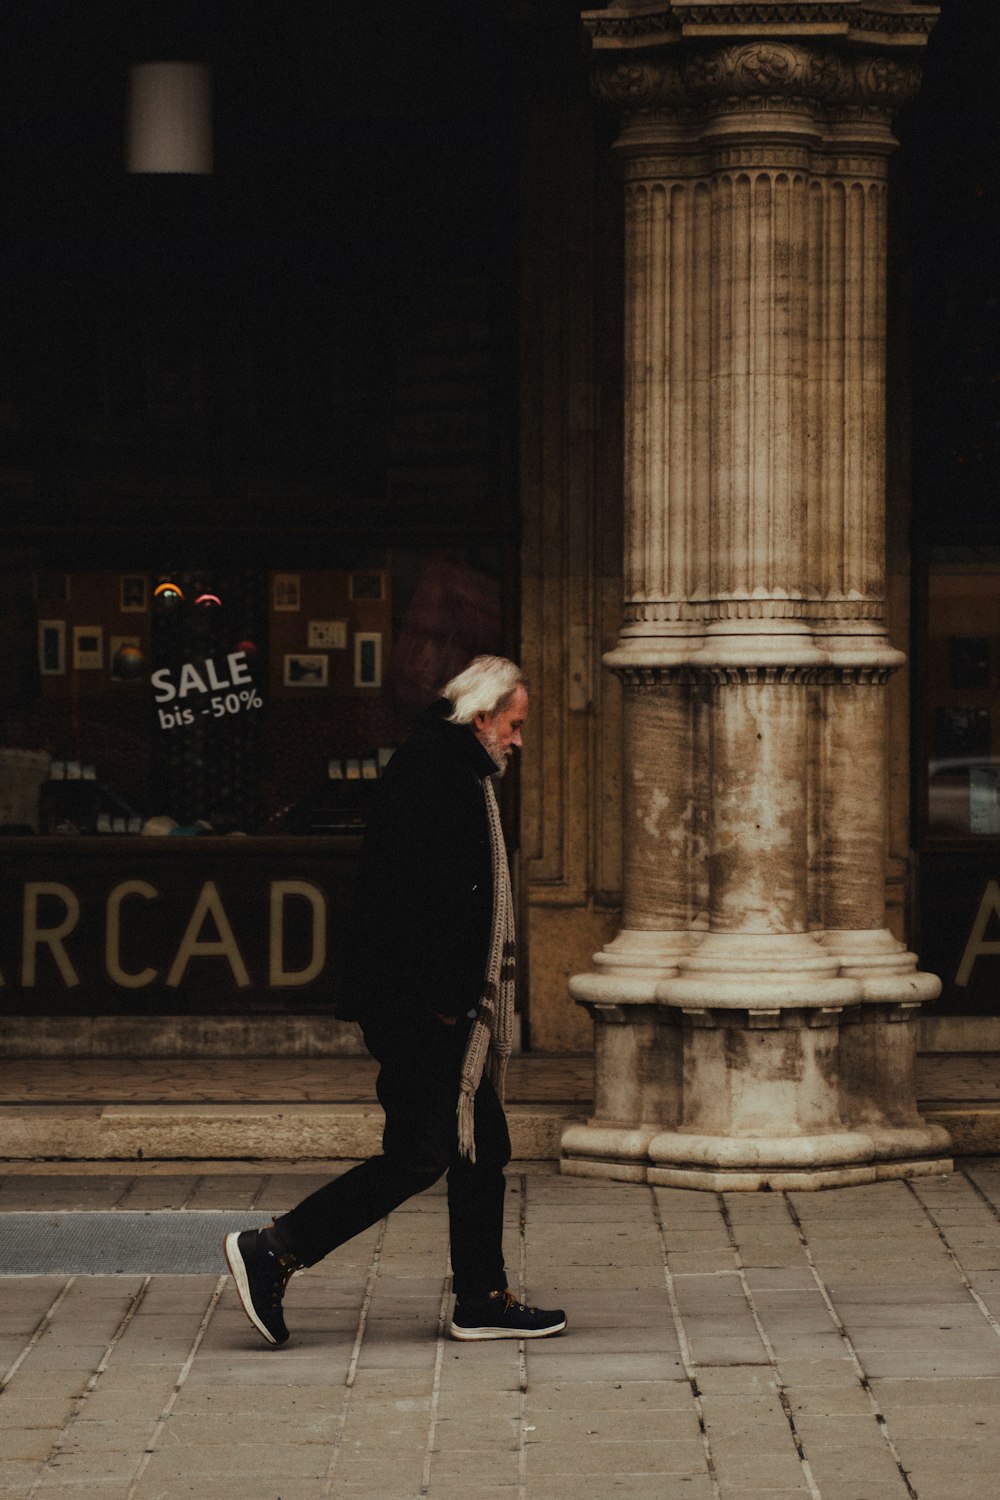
column 479, row 720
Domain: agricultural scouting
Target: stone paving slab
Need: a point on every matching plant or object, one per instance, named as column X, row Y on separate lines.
column 835, row 1346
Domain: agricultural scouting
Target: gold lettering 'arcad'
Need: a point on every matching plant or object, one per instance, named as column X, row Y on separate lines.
column 36, row 936
column 58, row 938
column 193, row 944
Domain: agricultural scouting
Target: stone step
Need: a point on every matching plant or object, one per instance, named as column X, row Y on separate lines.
column 974, row 1127
column 321, row 1132
column 235, row 1132
column 265, row 1109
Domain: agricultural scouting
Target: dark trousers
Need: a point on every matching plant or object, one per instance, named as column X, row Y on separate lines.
column 417, row 1087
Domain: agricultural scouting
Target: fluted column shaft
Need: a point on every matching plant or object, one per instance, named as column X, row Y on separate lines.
column 660, row 829
column 757, row 797
column 668, row 235
column 847, row 884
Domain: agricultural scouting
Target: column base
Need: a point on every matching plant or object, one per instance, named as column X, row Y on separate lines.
column 776, row 1096
column 724, row 1164
column 881, row 965
column 617, row 1152
column 628, row 970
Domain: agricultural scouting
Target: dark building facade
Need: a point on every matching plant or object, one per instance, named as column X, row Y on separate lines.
column 284, row 442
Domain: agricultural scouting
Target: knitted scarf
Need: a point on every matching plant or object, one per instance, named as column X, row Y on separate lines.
column 489, row 1043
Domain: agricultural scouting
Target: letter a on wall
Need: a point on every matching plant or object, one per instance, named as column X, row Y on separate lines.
column 989, row 907
column 193, row 946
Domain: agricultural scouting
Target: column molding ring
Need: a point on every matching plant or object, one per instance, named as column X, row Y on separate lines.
column 670, row 21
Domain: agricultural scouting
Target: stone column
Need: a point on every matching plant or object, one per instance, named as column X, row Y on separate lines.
column 755, row 1021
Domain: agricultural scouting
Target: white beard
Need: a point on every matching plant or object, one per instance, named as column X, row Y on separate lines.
column 491, row 744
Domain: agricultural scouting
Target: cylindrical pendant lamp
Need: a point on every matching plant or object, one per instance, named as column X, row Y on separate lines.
column 169, row 118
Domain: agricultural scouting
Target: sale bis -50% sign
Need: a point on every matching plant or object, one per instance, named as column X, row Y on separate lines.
column 216, row 689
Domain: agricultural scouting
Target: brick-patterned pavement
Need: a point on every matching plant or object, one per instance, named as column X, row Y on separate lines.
column 842, row 1345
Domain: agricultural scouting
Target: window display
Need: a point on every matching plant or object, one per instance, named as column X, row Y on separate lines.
column 963, row 697
column 233, row 698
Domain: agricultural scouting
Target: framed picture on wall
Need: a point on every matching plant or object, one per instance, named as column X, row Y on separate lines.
column 88, row 648
column 368, row 659
column 134, row 594
column 306, row 671
column 286, row 592
column 327, row 635
column 52, row 648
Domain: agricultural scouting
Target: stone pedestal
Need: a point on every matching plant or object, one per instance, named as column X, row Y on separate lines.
column 756, row 1022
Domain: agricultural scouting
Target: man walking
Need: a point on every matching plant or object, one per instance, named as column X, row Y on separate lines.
column 430, row 978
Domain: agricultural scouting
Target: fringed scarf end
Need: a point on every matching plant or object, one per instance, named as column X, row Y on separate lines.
column 466, row 1125
column 489, row 1041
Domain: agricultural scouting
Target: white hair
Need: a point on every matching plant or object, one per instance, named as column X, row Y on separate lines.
column 485, row 686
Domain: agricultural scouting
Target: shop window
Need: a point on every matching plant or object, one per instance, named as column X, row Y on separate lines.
column 236, row 697
column 962, row 723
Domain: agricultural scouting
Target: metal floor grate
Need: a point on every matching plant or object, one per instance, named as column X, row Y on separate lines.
column 186, row 1242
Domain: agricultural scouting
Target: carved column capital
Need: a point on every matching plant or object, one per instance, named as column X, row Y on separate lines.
column 690, row 84
column 640, row 83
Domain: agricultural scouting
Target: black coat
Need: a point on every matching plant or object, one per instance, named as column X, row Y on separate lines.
column 423, row 911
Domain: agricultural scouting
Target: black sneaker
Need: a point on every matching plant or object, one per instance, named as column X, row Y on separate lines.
column 501, row 1316
column 261, row 1275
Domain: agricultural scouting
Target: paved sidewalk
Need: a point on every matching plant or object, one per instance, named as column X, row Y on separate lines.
column 842, row 1345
